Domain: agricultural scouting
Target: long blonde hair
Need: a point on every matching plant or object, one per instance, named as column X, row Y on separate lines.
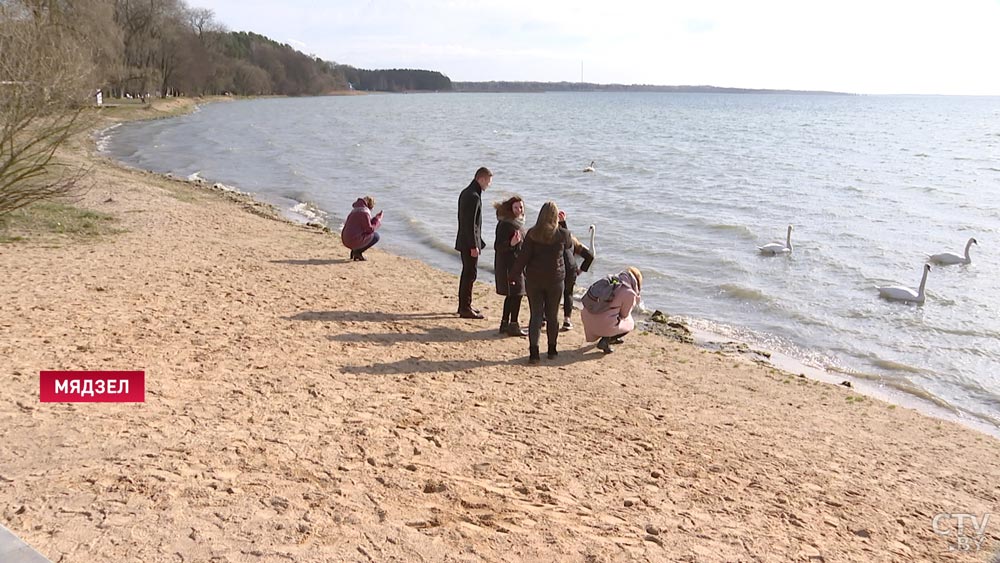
column 638, row 277
column 547, row 224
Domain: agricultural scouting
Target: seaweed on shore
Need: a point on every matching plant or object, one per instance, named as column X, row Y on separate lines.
column 674, row 330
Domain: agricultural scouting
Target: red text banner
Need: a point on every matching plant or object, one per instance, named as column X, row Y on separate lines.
column 92, row 387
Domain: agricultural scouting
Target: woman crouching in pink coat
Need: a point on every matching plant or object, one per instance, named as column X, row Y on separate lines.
column 614, row 321
column 359, row 229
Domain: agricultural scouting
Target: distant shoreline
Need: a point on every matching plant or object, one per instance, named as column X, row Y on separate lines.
column 514, row 86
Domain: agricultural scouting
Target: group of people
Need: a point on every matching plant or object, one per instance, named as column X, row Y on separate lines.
column 538, row 262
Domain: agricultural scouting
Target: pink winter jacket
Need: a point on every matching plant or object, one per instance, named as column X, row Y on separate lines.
column 359, row 227
column 617, row 319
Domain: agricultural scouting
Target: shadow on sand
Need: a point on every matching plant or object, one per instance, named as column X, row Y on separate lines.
column 312, row 262
column 473, row 335
column 366, row 316
column 418, row 365
column 436, row 334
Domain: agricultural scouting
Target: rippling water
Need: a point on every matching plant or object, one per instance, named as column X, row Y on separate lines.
column 686, row 186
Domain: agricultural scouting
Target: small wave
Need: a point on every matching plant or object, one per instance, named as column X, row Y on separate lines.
column 922, row 155
column 427, row 237
column 310, row 212
column 741, row 230
column 896, row 366
column 925, row 189
column 709, row 331
column 901, row 384
column 985, row 209
column 973, row 333
column 991, row 169
column 941, row 301
column 910, row 389
column 196, row 178
column 993, row 421
column 744, row 293
column 103, row 138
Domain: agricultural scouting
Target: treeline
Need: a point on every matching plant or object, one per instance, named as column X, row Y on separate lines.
column 214, row 61
column 56, row 54
column 246, row 63
column 396, row 80
column 166, row 47
column 513, row 86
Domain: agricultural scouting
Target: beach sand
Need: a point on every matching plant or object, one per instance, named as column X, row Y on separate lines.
column 302, row 407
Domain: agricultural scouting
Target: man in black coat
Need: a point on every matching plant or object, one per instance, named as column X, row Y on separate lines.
column 470, row 240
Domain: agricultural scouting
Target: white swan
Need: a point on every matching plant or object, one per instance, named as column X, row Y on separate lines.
column 949, row 258
column 593, row 233
column 899, row 293
column 776, row 247
column 589, row 168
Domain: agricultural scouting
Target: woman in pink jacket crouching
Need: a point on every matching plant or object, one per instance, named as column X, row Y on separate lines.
column 609, row 325
column 359, row 229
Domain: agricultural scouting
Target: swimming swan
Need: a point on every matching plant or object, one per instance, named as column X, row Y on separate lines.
column 776, row 247
column 589, row 168
column 948, row 258
column 906, row 294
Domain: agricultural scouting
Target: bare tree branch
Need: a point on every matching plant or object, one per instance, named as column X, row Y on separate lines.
column 45, row 75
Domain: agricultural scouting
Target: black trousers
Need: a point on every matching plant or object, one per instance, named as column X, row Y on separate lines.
column 568, row 297
column 470, row 266
column 544, row 303
column 511, row 309
column 357, row 251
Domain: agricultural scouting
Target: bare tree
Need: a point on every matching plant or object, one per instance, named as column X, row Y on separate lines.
column 139, row 22
column 44, row 82
column 202, row 20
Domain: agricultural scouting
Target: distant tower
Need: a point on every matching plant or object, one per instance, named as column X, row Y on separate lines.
column 581, row 72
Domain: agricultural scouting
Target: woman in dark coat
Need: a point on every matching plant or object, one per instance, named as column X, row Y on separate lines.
column 541, row 260
column 510, row 235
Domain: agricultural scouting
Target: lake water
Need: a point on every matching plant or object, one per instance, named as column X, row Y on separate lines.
column 685, row 187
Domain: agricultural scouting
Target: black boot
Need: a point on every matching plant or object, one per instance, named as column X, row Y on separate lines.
column 504, row 326
column 604, row 345
column 533, row 357
column 552, row 353
column 514, row 329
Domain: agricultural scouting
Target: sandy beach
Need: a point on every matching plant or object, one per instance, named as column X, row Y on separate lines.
column 303, row 407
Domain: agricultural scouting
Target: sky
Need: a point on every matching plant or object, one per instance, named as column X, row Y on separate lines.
column 857, row 46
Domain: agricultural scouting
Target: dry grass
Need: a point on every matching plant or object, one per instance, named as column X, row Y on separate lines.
column 45, row 220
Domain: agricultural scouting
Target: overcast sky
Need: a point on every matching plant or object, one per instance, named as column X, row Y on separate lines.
column 862, row 46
